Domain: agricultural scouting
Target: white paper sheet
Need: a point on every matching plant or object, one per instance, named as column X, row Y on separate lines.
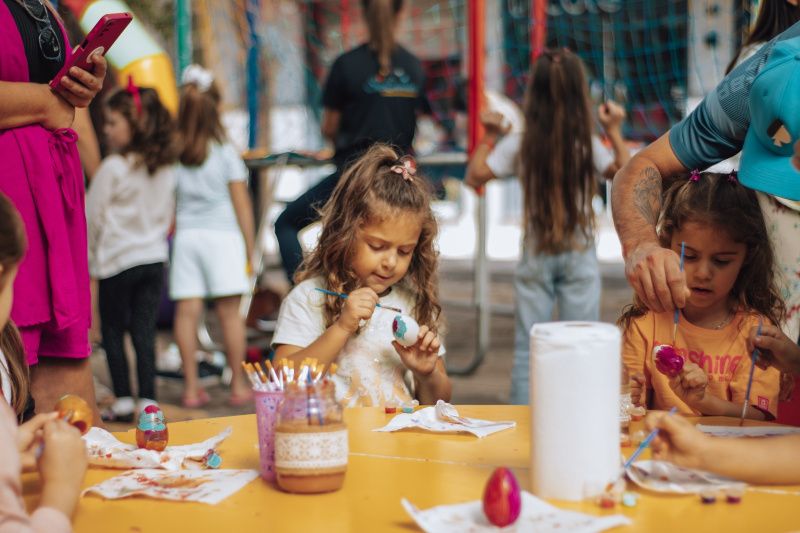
column 660, row 476
column 748, row 431
column 207, row 486
column 444, row 418
column 536, row 515
column 106, row 451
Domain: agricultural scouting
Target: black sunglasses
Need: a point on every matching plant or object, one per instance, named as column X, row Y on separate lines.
column 48, row 40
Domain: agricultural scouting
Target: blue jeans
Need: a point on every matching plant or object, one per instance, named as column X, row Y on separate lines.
column 571, row 280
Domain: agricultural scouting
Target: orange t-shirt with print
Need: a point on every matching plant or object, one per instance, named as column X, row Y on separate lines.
column 722, row 354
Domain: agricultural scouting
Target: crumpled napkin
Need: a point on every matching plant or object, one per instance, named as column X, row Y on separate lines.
column 661, row 476
column 107, row 451
column 537, row 515
column 444, row 418
column 207, row 486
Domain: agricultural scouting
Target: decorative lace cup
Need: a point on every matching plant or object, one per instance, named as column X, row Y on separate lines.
column 311, row 451
column 267, row 404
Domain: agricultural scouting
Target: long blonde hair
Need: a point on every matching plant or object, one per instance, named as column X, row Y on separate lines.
column 361, row 197
column 557, row 172
column 13, row 244
column 380, row 16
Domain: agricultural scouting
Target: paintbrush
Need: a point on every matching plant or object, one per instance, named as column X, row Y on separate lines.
column 645, row 443
column 753, row 359
column 678, row 311
column 343, row 295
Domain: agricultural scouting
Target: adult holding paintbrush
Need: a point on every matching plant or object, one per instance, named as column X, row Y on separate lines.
column 42, row 177
column 728, row 266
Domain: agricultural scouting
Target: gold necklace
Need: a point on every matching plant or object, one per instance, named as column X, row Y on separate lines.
column 724, row 322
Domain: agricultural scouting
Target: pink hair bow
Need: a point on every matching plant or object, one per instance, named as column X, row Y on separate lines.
column 406, row 167
column 133, row 90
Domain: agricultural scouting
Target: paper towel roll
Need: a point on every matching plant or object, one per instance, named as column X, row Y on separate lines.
column 575, row 380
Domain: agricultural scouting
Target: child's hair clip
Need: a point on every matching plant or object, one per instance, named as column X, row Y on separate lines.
column 406, row 167
column 733, row 177
column 694, row 176
column 133, row 90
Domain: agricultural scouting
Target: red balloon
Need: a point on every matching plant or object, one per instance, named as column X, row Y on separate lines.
column 502, row 500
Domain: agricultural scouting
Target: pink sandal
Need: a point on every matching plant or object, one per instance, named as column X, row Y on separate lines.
column 197, row 402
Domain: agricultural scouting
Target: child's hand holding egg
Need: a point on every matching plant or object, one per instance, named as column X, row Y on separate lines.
column 417, row 346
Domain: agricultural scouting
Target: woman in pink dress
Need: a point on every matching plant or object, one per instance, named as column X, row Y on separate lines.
column 41, row 174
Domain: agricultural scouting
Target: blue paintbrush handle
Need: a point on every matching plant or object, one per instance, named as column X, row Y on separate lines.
column 646, row 442
column 753, row 359
column 343, row 295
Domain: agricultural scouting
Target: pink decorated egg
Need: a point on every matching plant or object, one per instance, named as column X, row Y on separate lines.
column 502, row 500
column 668, row 361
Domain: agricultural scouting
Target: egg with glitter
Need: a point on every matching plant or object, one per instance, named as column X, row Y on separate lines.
column 668, row 361
column 405, row 330
column 151, row 431
column 75, row 411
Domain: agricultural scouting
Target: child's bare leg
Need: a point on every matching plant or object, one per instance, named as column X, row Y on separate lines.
column 187, row 315
column 235, row 338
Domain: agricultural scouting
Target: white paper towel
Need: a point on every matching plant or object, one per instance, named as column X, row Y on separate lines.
column 575, row 384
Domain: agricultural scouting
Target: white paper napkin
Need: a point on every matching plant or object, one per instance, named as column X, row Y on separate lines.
column 105, row 450
column 536, row 515
column 207, row 486
column 661, row 476
column 443, row 418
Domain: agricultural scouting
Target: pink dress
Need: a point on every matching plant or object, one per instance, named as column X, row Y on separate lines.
column 41, row 174
column 13, row 517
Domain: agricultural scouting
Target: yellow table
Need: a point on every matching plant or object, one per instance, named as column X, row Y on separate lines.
column 428, row 469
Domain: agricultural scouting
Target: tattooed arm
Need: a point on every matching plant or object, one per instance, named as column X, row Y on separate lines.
column 652, row 271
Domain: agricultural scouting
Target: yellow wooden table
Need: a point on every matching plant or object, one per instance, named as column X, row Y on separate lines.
column 428, row 469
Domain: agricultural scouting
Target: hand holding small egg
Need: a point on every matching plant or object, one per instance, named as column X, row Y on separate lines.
column 690, row 385
column 419, row 352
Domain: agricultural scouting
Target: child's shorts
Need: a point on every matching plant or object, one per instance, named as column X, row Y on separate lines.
column 207, row 264
column 41, row 340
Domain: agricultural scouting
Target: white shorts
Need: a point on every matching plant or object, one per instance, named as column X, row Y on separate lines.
column 207, row 264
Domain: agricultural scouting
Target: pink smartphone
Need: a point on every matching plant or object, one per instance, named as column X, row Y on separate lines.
column 100, row 39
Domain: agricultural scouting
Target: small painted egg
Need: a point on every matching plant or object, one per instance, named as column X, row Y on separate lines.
column 502, row 500
column 405, row 330
column 668, row 361
column 151, row 431
column 75, row 411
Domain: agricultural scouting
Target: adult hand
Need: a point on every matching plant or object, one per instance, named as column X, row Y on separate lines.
column 359, row 305
column 81, row 86
column 611, row 115
column 495, row 123
column 420, row 358
column 775, row 349
column 58, row 113
column 655, row 274
column 678, row 441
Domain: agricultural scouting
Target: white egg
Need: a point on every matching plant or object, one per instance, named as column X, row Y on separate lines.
column 405, row 330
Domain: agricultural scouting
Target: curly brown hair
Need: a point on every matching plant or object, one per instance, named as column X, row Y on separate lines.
column 152, row 130
column 720, row 201
column 369, row 192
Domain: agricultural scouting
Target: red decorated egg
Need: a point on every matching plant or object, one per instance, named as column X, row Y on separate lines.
column 502, row 500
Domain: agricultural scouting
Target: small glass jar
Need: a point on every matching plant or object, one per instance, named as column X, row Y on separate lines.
column 310, row 440
column 625, row 403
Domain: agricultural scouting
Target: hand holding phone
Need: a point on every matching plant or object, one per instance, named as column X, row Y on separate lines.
column 81, row 78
